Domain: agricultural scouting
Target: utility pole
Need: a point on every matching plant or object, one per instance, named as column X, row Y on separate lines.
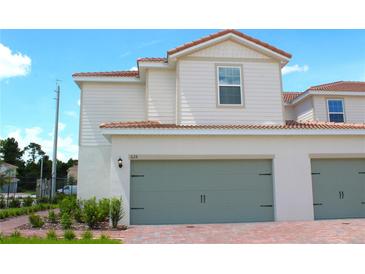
column 55, row 138
column 41, row 185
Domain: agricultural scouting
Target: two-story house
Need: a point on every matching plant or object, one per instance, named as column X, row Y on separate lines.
column 206, row 135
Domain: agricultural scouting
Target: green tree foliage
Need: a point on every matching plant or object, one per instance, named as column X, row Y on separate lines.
column 10, row 151
column 34, row 152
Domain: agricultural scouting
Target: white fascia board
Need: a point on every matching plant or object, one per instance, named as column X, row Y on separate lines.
column 235, row 132
column 225, row 37
column 108, row 79
column 154, row 65
column 326, row 93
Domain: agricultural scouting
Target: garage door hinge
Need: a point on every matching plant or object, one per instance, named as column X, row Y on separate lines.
column 137, row 207
column 317, row 204
column 265, row 205
column 265, row 174
column 316, row 173
column 362, row 172
column 134, row 175
column 363, row 203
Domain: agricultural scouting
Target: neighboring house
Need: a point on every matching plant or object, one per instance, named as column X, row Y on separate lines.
column 72, row 173
column 201, row 136
column 9, row 171
column 342, row 101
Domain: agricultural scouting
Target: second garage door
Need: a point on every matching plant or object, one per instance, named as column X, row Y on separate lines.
column 201, row 191
column 338, row 188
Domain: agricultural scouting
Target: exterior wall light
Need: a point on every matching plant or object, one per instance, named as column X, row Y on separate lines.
column 120, row 162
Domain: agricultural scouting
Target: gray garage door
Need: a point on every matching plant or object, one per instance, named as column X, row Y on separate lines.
column 201, row 191
column 338, row 188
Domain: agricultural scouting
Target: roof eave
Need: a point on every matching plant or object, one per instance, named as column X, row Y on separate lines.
column 284, row 59
column 231, row 132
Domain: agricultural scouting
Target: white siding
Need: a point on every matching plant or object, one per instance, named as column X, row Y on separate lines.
column 198, row 94
column 161, row 85
column 354, row 108
column 108, row 102
column 289, row 113
column 229, row 49
column 304, row 110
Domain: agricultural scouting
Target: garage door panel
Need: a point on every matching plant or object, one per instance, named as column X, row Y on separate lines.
column 338, row 188
column 167, row 192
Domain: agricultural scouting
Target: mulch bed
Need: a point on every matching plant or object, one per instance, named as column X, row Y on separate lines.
column 75, row 226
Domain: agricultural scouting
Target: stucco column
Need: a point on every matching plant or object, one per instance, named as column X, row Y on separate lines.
column 293, row 195
column 120, row 180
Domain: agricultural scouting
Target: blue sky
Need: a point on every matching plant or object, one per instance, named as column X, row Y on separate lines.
column 32, row 60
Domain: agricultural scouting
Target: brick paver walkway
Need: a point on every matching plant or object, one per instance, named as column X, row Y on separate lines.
column 8, row 226
column 329, row 231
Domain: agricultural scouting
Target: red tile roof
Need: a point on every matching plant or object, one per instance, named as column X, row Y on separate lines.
column 340, row 86
column 287, row 125
column 152, row 59
column 125, row 73
column 289, row 96
column 224, row 32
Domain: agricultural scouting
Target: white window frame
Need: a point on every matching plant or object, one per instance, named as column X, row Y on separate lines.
column 240, row 85
column 329, row 112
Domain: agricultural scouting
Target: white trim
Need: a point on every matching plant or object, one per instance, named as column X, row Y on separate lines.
column 225, row 37
column 329, row 112
column 233, row 132
column 136, row 157
column 337, row 156
column 108, row 79
column 227, row 85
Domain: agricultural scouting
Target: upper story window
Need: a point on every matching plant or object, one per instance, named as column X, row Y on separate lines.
column 229, row 85
column 336, row 110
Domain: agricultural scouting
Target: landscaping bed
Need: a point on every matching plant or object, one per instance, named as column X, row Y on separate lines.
column 14, row 212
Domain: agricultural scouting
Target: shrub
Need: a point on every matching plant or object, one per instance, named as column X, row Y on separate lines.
column 28, row 201
column 36, row 220
column 91, row 212
column 14, row 203
column 16, row 234
column 87, row 235
column 2, row 202
column 11, row 212
column 116, row 211
column 78, row 214
column 52, row 218
column 68, row 205
column 66, row 221
column 51, row 235
column 104, row 237
column 42, row 200
column 104, row 208
column 69, row 234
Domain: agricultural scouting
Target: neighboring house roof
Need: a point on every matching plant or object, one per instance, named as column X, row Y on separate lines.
column 152, row 59
column 224, row 32
column 289, row 96
column 123, row 73
column 8, row 165
column 287, row 125
column 340, row 86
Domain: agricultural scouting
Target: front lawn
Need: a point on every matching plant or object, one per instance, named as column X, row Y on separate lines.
column 38, row 240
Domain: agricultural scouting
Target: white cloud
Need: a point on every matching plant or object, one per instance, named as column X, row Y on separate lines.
column 294, row 68
column 61, row 126
column 78, row 102
column 13, row 64
column 66, row 147
column 71, row 113
column 125, row 54
column 149, row 43
column 133, row 68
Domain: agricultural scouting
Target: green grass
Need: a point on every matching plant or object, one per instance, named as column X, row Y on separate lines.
column 38, row 240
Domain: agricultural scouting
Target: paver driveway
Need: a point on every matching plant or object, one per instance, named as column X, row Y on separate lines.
column 329, row 231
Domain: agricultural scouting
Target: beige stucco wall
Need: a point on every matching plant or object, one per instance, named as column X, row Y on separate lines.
column 291, row 162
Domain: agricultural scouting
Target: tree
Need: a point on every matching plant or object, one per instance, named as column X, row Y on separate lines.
column 10, row 152
column 34, row 151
